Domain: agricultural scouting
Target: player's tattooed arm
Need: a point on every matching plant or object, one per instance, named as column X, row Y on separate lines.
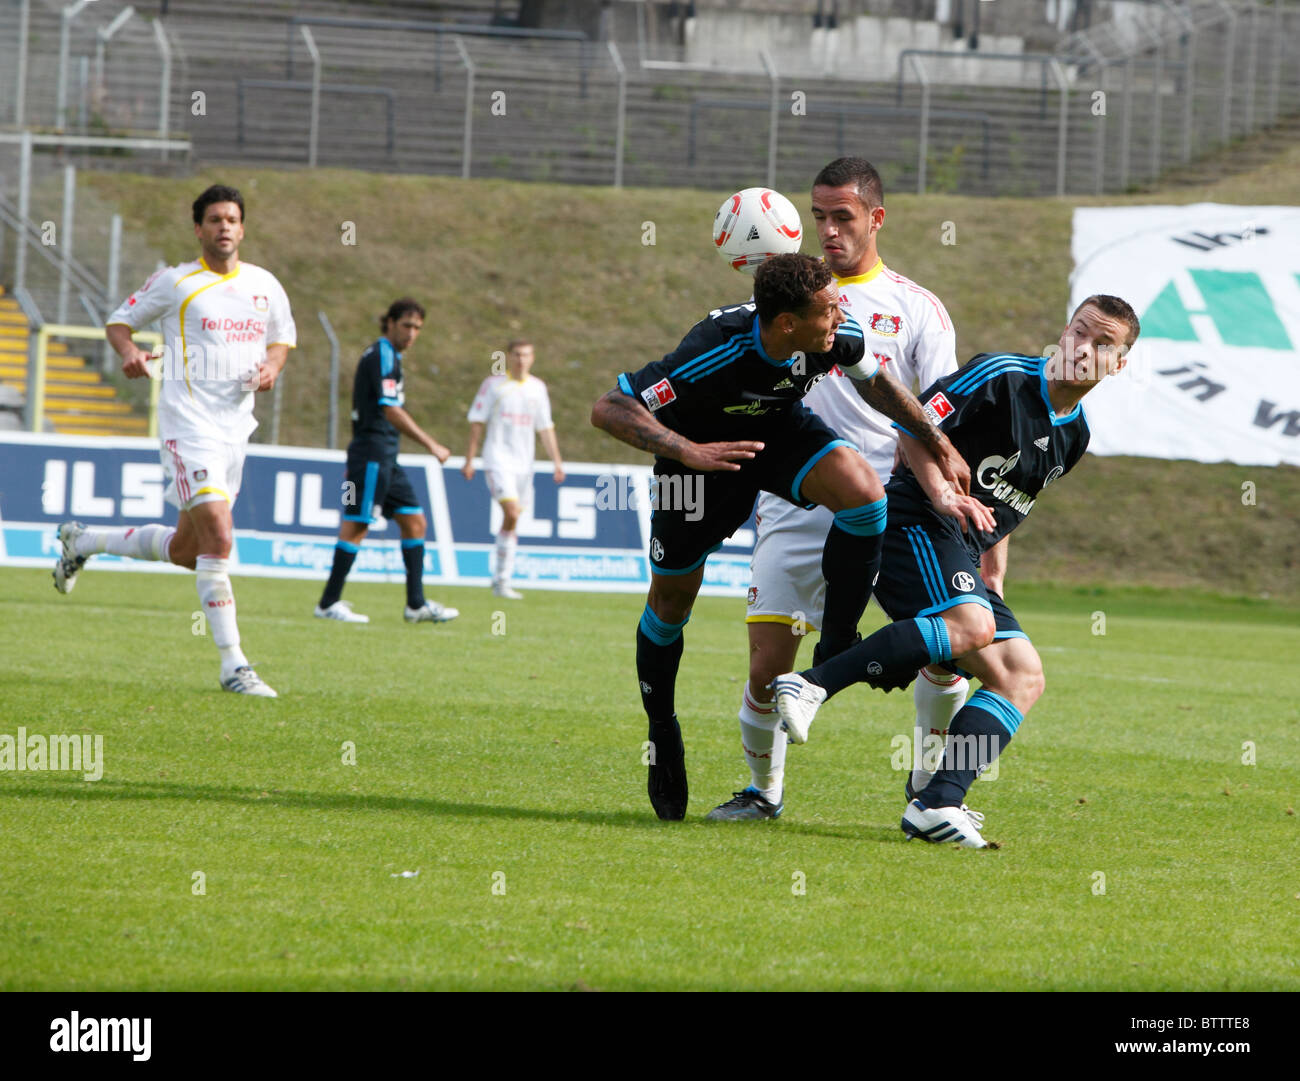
column 632, row 423
column 944, row 496
column 886, row 395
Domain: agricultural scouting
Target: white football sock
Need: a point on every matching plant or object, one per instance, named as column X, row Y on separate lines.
column 137, row 542
column 213, row 583
column 764, row 744
column 506, row 544
column 937, row 701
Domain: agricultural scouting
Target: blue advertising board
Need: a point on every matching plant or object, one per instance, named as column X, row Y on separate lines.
column 589, row 533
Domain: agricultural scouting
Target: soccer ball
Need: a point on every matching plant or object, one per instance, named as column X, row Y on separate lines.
column 753, row 225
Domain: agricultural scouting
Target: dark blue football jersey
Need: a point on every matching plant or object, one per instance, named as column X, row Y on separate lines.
column 996, row 412
column 378, row 383
column 720, row 385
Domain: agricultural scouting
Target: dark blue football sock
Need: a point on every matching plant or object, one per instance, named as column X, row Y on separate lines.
column 887, row 659
column 977, row 735
column 413, row 557
column 659, row 647
column 850, row 562
column 345, row 555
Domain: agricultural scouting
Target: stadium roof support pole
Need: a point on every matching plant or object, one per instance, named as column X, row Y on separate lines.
column 620, row 124
column 34, row 407
column 24, row 208
column 923, row 138
column 315, row 95
column 20, row 75
column 1126, row 128
column 467, row 144
column 1156, row 130
column 332, row 429
column 113, row 279
column 1276, row 77
column 1063, row 124
column 770, row 68
column 1230, row 48
column 1189, row 74
column 102, row 37
column 65, row 33
column 1099, row 153
column 1252, row 67
column 65, row 239
column 165, row 83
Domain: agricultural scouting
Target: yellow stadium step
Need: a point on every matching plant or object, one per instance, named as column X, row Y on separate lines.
column 133, row 426
column 68, row 391
column 54, row 405
column 18, row 372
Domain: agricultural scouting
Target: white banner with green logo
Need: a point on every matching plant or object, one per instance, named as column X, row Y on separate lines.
column 1215, row 375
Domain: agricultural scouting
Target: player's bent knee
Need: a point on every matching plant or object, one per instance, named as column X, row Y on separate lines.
column 970, row 627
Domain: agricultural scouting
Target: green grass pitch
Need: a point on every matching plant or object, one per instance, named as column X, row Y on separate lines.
column 230, row 846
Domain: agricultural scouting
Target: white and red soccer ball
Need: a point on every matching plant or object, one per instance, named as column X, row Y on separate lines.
column 754, row 225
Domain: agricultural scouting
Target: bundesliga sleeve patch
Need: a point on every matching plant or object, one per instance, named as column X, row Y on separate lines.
column 937, row 408
column 659, row 395
column 390, row 388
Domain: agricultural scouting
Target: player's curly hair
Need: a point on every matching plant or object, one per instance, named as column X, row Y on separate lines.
column 1115, row 308
column 218, row 193
column 788, row 283
column 399, row 308
column 856, row 171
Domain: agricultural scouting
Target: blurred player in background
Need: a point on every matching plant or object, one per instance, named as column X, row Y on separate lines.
column 227, row 331
column 909, row 332
column 723, row 414
column 508, row 409
column 1019, row 423
column 374, row 479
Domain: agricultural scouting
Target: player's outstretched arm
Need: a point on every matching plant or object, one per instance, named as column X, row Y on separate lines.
column 944, row 496
column 400, row 419
column 630, row 422
column 886, row 395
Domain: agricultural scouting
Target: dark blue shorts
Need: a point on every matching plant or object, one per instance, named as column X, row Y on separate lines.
column 695, row 512
column 926, row 568
column 376, row 481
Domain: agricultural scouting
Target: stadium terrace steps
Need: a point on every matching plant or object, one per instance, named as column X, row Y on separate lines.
column 78, row 401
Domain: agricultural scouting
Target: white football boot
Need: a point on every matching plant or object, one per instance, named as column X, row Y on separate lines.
column 942, row 825
column 797, row 702
column 69, row 564
column 430, row 612
column 245, row 681
column 341, row 611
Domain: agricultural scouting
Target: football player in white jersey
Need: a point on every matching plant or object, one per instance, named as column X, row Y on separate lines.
column 227, row 331
column 508, row 409
column 909, row 332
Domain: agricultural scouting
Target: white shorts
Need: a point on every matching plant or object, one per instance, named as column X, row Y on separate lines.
column 201, row 471
column 785, row 574
column 511, row 485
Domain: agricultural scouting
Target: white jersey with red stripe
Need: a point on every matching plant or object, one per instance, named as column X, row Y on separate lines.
column 216, row 329
column 909, row 332
column 513, row 411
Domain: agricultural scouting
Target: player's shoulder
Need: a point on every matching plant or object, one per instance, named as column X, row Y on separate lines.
column 173, row 275
column 985, row 368
column 536, row 385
